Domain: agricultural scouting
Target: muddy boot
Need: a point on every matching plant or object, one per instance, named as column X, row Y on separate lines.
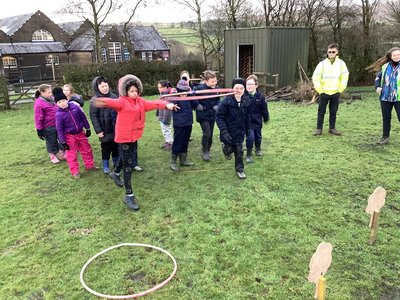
column 249, row 156
column 183, row 160
column 173, row 164
column 116, row 178
column 205, row 155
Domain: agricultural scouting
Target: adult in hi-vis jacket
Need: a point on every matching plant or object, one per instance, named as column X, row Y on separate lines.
column 330, row 79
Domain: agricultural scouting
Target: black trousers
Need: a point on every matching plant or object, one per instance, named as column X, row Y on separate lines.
column 109, row 149
column 51, row 138
column 181, row 139
column 386, row 108
column 237, row 149
column 333, row 101
column 127, row 161
column 208, row 128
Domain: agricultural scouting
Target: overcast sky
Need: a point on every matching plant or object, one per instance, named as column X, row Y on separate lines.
column 166, row 12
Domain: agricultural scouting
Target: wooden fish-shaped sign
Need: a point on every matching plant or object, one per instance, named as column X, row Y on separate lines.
column 376, row 201
column 319, row 264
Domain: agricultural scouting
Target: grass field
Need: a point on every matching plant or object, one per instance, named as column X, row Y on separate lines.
column 232, row 239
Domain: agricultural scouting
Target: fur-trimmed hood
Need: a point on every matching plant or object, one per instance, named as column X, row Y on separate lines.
column 123, row 82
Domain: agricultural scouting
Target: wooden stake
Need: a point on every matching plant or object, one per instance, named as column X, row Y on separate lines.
column 321, row 288
column 374, row 227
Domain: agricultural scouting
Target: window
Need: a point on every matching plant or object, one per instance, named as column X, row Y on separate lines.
column 42, row 35
column 9, row 62
column 143, row 55
column 114, row 49
column 127, row 55
column 103, row 55
column 150, row 55
column 51, row 59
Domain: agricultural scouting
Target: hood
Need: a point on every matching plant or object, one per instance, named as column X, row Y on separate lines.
column 123, row 82
column 97, row 91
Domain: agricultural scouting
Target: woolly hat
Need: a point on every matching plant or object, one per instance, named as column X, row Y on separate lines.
column 58, row 94
column 238, row 81
column 182, row 86
column 128, row 80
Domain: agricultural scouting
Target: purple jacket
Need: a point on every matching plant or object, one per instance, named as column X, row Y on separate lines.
column 70, row 120
column 44, row 113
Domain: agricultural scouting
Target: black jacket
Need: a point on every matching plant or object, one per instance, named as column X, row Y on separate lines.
column 232, row 117
column 208, row 114
column 258, row 110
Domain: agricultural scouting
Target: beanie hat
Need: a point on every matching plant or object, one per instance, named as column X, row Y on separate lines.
column 238, row 81
column 58, row 94
column 182, row 86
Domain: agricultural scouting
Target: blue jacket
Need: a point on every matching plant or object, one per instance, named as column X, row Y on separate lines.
column 258, row 110
column 208, row 114
column 70, row 120
column 233, row 118
column 184, row 115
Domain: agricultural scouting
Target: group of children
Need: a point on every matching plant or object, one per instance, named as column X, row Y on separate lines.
column 119, row 122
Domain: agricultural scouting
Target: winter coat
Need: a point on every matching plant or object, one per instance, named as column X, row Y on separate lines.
column 103, row 119
column 258, row 110
column 131, row 111
column 44, row 113
column 330, row 78
column 78, row 99
column 208, row 113
column 70, row 120
column 164, row 115
column 184, row 115
column 389, row 80
column 233, row 118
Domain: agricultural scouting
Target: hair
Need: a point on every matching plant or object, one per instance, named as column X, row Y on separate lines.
column 70, row 87
column 254, row 77
column 42, row 88
column 101, row 79
column 184, row 72
column 131, row 83
column 334, row 45
column 165, row 83
column 208, row 74
column 377, row 65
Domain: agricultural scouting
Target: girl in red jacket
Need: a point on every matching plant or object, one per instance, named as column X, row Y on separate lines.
column 129, row 127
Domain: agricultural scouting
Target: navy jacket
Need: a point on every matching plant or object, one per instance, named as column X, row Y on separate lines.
column 258, row 110
column 184, row 115
column 208, row 114
column 233, row 118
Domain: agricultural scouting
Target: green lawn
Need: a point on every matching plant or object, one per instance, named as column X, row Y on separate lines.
column 232, row 239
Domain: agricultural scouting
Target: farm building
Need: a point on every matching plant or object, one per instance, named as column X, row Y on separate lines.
column 270, row 52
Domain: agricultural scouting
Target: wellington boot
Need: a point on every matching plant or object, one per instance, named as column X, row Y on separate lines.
column 249, row 156
column 173, row 165
column 183, row 160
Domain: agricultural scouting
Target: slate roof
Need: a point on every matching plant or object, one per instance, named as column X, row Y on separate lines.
column 71, row 27
column 11, row 25
column 37, row 47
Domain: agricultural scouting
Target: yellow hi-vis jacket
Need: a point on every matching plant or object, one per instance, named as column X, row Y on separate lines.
column 330, row 78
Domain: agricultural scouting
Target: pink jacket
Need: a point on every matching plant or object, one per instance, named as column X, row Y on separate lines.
column 44, row 113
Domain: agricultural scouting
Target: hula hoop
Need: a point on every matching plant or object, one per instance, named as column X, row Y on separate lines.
column 133, row 295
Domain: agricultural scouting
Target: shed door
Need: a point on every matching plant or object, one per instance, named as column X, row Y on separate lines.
column 246, row 60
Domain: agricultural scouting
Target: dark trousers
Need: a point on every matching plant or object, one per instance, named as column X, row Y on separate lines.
column 127, row 161
column 333, row 101
column 52, row 144
column 237, row 149
column 181, row 139
column 109, row 149
column 253, row 137
column 208, row 128
column 386, row 108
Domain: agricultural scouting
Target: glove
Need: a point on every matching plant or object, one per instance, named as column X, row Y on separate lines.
column 215, row 107
column 65, row 145
column 227, row 137
column 88, row 133
column 199, row 107
column 40, row 134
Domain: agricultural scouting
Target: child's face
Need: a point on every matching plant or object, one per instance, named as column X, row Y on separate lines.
column 161, row 88
column 395, row 55
column 46, row 94
column 238, row 89
column 251, row 85
column 66, row 91
column 211, row 82
column 62, row 103
column 104, row 88
column 133, row 92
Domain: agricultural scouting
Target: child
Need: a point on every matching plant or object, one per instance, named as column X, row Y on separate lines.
column 69, row 91
column 183, row 120
column 45, row 122
column 205, row 113
column 233, row 121
column 258, row 112
column 70, row 121
column 129, row 128
column 164, row 116
column 103, row 121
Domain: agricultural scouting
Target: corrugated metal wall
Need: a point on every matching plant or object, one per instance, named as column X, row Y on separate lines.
column 276, row 50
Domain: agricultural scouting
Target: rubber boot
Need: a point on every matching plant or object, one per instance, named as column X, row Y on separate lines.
column 183, row 160
column 249, row 156
column 205, row 155
column 258, row 151
column 173, row 164
column 106, row 166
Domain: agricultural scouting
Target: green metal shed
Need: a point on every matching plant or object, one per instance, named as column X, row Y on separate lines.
column 265, row 50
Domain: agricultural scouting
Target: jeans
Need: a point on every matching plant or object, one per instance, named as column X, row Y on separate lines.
column 386, row 108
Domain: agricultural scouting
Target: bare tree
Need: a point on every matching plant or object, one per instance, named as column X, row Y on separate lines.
column 233, row 9
column 393, row 9
column 131, row 12
column 368, row 11
column 268, row 7
column 96, row 13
